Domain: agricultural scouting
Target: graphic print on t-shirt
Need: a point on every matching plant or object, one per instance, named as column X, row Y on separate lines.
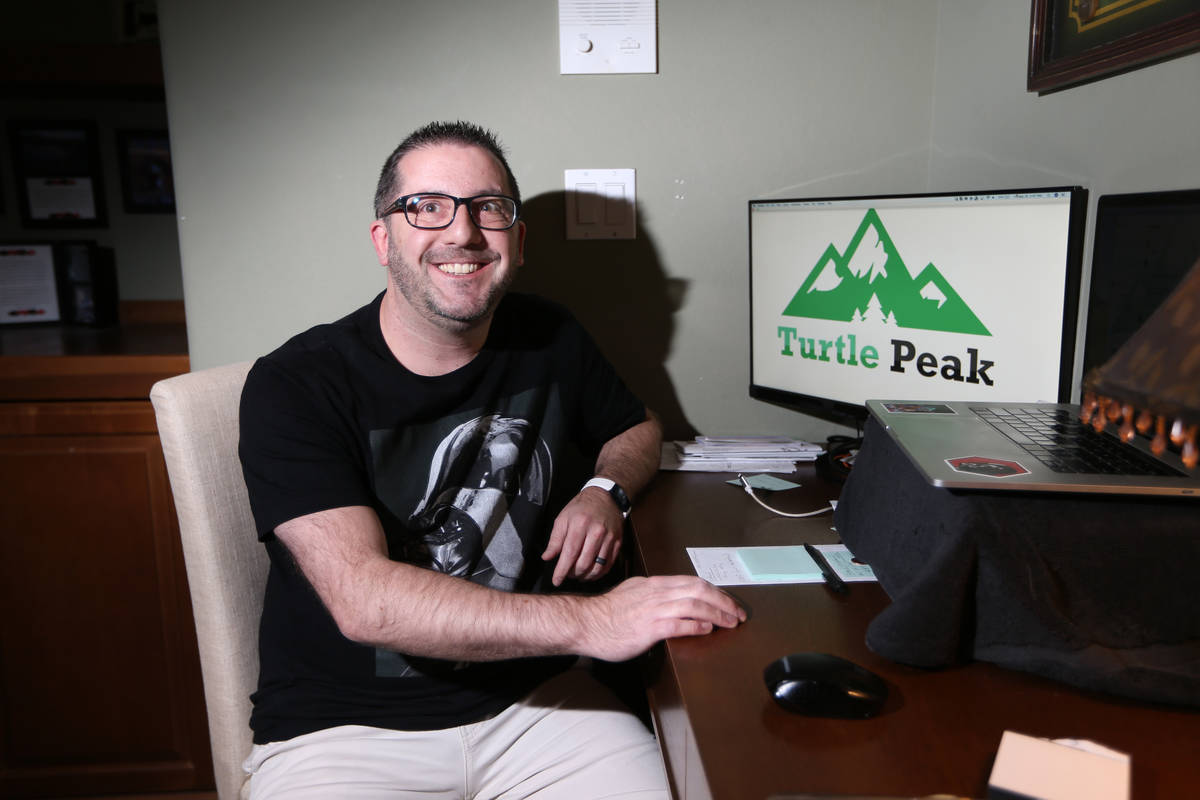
column 478, row 480
column 483, row 487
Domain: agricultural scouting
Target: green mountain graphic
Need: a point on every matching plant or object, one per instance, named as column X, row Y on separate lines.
column 870, row 282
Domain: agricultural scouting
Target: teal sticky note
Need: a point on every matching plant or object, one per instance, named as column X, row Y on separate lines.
column 844, row 565
column 778, row 563
column 766, row 482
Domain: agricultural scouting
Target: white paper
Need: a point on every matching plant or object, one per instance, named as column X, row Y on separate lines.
column 27, row 289
column 1059, row 770
column 61, row 198
column 747, row 454
column 736, row 566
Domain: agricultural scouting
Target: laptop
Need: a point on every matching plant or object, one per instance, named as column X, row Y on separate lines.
column 1038, row 447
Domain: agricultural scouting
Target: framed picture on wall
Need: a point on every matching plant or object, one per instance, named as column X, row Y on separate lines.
column 1078, row 41
column 146, row 182
column 28, row 284
column 56, row 167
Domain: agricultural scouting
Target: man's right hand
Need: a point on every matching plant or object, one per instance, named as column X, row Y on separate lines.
column 416, row 611
column 628, row 619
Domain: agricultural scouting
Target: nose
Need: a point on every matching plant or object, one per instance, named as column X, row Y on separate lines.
column 462, row 229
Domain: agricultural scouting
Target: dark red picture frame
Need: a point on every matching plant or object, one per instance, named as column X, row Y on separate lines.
column 1072, row 42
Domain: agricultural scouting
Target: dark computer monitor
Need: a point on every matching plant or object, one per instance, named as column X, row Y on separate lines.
column 967, row 295
column 1144, row 243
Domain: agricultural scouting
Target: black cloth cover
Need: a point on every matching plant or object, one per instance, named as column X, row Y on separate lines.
column 1097, row 591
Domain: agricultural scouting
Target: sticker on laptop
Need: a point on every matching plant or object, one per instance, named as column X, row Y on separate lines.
column 989, row 467
column 919, row 408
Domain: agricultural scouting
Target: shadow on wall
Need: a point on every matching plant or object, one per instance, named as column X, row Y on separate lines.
column 618, row 290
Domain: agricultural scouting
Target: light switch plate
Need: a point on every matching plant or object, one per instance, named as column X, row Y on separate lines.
column 601, row 203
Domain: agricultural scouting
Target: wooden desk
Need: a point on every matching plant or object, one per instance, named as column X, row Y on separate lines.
column 724, row 738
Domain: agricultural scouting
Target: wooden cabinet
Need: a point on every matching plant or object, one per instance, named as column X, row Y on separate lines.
column 100, row 689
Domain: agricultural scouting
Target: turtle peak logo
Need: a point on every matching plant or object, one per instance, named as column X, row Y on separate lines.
column 869, row 282
column 868, row 286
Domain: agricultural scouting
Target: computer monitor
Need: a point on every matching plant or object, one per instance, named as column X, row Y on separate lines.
column 968, row 295
column 1144, row 244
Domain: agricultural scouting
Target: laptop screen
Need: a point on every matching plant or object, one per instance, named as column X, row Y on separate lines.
column 1144, row 244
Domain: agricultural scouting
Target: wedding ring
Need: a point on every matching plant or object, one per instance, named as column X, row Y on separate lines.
column 601, row 560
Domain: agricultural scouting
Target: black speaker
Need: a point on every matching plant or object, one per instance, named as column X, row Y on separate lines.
column 86, row 275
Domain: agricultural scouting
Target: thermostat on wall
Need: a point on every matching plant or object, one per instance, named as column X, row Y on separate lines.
column 607, row 36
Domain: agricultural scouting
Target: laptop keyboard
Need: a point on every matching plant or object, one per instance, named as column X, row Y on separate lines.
column 1060, row 440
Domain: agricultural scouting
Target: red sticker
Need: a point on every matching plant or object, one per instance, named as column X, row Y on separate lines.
column 990, row 467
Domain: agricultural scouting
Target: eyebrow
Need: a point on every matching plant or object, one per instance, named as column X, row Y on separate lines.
column 452, row 194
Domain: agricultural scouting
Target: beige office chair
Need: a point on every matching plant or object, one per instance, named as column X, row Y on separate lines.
column 197, row 417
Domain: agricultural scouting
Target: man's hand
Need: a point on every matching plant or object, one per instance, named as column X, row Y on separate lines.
column 589, row 527
column 413, row 610
column 627, row 620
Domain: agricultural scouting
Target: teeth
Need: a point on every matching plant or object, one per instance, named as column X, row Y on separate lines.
column 458, row 269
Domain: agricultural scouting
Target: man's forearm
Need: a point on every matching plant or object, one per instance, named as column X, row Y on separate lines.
column 631, row 458
column 587, row 533
column 425, row 613
column 413, row 610
column 437, row 616
column 406, row 608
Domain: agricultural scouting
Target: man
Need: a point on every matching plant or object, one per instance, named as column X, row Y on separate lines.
column 409, row 472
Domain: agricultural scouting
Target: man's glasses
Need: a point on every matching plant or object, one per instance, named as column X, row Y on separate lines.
column 431, row 212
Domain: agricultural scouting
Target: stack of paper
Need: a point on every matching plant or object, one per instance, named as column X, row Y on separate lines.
column 738, row 454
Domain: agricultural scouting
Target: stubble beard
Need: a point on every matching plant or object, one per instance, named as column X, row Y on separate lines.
column 412, row 284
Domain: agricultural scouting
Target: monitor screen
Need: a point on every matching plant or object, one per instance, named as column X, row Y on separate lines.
column 1144, row 244
column 922, row 297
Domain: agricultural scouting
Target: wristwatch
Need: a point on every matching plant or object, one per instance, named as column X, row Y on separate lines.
column 615, row 491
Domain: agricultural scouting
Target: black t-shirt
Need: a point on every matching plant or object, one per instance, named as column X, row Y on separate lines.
column 466, row 472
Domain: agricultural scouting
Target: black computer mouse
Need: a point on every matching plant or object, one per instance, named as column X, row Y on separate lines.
column 824, row 685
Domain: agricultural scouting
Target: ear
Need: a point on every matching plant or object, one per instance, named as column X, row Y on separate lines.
column 520, row 242
column 380, row 237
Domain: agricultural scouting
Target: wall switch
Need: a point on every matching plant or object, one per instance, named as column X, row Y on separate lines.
column 607, row 36
column 601, row 204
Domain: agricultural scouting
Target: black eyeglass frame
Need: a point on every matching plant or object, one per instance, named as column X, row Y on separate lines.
column 399, row 205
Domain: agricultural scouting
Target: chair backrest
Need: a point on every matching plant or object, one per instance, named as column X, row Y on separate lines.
column 197, row 417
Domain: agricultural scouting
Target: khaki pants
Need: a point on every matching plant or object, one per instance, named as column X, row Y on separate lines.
column 571, row 739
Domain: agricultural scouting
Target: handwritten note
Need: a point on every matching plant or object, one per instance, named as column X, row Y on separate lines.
column 741, row 566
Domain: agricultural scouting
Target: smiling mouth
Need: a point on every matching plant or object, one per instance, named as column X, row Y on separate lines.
column 462, row 268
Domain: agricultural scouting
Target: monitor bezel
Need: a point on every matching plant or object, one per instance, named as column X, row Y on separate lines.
column 854, row 414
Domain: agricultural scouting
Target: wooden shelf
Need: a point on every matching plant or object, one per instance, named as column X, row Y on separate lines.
column 62, row 362
column 133, row 68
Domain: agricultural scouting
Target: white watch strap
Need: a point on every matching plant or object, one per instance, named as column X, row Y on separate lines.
column 601, row 483
column 614, row 491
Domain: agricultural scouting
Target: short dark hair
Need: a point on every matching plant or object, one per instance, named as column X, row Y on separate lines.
column 464, row 133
